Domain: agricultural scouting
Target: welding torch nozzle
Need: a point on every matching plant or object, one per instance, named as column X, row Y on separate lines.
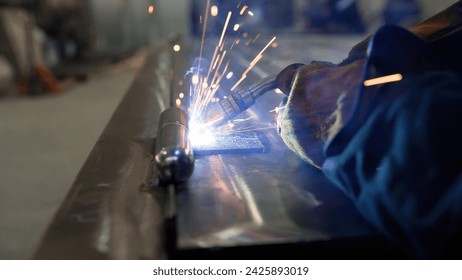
column 238, row 101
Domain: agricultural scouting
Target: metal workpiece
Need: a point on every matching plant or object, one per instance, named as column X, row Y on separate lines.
column 231, row 143
column 238, row 101
column 173, row 154
column 111, row 210
column 234, row 205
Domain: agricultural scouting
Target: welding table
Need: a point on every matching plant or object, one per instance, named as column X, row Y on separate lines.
column 264, row 205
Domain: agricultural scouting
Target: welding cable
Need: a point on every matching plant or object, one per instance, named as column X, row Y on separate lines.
column 238, row 101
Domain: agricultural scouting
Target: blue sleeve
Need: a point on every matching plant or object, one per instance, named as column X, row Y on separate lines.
column 402, row 166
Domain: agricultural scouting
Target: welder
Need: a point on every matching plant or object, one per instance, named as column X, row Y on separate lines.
column 394, row 147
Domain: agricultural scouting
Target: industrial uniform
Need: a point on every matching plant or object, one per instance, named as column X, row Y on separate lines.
column 394, row 148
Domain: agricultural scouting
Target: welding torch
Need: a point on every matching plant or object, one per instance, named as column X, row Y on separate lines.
column 219, row 113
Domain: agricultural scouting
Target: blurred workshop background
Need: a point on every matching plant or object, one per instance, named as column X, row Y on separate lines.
column 66, row 64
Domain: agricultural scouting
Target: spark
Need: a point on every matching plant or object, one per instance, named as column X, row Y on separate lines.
column 178, row 102
column 242, row 120
column 252, row 64
column 383, row 80
column 151, row 9
column 195, row 79
column 239, row 82
column 205, row 83
column 234, row 42
column 264, row 49
column 176, row 48
column 203, row 33
column 277, row 109
column 181, row 95
column 243, row 10
column 224, row 28
column 250, row 13
column 278, row 91
column 214, row 11
column 274, row 45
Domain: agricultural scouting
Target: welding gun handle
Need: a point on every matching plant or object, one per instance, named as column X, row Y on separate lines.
column 262, row 86
column 244, row 97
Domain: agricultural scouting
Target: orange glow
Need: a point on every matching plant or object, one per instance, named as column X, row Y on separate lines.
column 383, row 80
column 214, row 11
column 178, row 102
column 252, row 64
column 151, row 9
column 224, row 29
column 243, row 10
column 274, row 45
column 245, row 35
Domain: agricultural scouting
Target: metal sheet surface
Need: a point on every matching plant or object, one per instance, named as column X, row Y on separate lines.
column 248, row 202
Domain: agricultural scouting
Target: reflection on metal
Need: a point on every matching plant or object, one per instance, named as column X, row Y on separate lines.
column 249, row 197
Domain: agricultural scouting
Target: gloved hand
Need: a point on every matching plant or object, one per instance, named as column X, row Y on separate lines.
column 320, row 98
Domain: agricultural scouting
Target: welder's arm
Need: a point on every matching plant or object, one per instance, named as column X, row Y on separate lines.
column 321, row 95
column 400, row 162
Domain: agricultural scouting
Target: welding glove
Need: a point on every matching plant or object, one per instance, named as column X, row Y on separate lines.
column 397, row 153
column 320, row 97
